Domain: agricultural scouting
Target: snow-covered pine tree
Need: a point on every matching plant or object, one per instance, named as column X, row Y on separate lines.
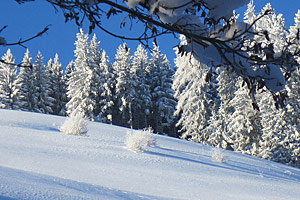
column 25, row 84
column 8, row 73
column 80, row 80
column 218, row 132
column 56, row 86
column 244, row 128
column 236, row 125
column 194, row 92
column 94, row 59
column 41, row 98
column 125, row 87
column 276, row 131
column 69, row 69
column 104, row 90
column 101, row 94
column 162, row 101
column 143, row 97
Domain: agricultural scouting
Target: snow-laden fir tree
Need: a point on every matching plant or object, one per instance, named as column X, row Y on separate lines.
column 125, row 92
column 219, row 134
column 80, row 92
column 104, row 90
column 25, row 84
column 42, row 101
column 162, row 100
column 236, row 125
column 67, row 74
column 244, row 128
column 57, row 86
column 194, row 95
column 8, row 73
column 143, row 98
column 98, row 61
column 276, row 131
column 94, row 59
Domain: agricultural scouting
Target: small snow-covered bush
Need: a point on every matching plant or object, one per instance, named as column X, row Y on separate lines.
column 76, row 124
column 138, row 140
column 217, row 155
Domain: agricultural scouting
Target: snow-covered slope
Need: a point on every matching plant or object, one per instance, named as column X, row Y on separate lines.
column 39, row 162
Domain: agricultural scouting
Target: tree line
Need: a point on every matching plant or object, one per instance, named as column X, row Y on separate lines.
column 133, row 91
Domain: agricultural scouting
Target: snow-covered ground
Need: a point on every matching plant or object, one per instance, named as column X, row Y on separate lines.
column 39, row 162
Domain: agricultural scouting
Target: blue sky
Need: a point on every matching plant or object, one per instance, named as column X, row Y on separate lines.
column 27, row 19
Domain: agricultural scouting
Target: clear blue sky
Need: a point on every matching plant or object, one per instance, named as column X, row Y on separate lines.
column 27, row 19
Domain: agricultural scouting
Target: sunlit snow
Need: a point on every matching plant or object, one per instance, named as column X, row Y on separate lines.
column 39, row 162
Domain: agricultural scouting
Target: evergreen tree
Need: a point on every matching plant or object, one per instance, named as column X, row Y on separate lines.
column 244, row 126
column 8, row 90
column 42, row 100
column 143, row 97
column 98, row 61
column 195, row 91
column 25, row 85
column 162, row 100
column 81, row 78
column 276, row 131
column 57, row 86
column 218, row 132
column 125, row 86
column 104, row 90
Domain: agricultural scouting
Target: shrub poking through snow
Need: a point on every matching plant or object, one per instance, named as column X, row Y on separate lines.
column 217, row 155
column 76, row 124
column 138, row 140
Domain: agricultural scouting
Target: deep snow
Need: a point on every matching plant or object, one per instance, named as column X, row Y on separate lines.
column 39, row 162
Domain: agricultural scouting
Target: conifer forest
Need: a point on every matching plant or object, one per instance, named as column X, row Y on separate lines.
column 183, row 98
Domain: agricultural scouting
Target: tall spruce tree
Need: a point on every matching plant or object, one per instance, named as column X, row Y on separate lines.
column 140, row 63
column 57, row 86
column 218, row 132
column 104, row 90
column 194, row 93
column 80, row 81
column 125, row 92
column 162, row 101
column 8, row 73
column 98, row 61
column 41, row 98
column 244, row 128
column 25, row 84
